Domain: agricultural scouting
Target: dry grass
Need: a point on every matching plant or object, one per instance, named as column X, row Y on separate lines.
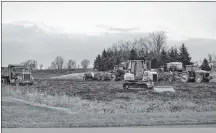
column 106, row 104
column 124, row 102
column 19, row 114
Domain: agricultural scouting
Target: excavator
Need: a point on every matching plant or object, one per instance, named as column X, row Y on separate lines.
column 140, row 75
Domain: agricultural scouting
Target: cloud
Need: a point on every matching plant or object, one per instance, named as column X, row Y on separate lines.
column 109, row 28
column 33, row 41
column 20, row 43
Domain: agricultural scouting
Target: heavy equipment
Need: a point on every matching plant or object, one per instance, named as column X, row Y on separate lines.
column 140, row 75
column 194, row 73
column 118, row 72
column 99, row 76
column 174, row 66
column 17, row 75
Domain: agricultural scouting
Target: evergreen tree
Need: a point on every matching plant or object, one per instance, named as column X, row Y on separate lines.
column 104, row 54
column 133, row 55
column 154, row 63
column 118, row 60
column 172, row 57
column 104, row 61
column 164, row 57
column 96, row 62
column 184, row 56
column 110, row 63
column 141, row 55
column 176, row 54
column 205, row 65
column 110, row 60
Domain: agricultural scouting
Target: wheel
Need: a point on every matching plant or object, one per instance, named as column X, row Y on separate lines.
column 113, row 77
column 125, row 86
column 170, row 79
column 102, row 78
column 30, row 84
column 150, row 88
column 17, row 83
column 199, row 79
column 184, row 77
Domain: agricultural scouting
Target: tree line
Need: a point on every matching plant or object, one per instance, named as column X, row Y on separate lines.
column 58, row 63
column 153, row 47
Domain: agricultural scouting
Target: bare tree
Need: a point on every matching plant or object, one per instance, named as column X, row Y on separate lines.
column 57, row 63
column 210, row 57
column 71, row 64
column 158, row 42
column 32, row 64
column 214, row 61
column 41, row 66
column 85, row 63
column 144, row 43
column 53, row 65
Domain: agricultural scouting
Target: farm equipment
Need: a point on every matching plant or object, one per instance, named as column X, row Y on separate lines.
column 17, row 75
column 118, row 72
column 115, row 75
column 194, row 73
column 99, row 76
column 174, row 66
column 170, row 72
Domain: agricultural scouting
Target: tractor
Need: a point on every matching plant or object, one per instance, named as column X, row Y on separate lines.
column 118, row 72
column 17, row 75
column 194, row 73
column 98, row 76
column 170, row 71
column 174, row 66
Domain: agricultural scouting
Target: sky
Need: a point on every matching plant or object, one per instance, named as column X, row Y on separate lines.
column 189, row 19
column 180, row 20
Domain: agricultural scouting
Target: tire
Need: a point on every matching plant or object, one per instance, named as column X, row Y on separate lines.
column 150, row 88
column 102, row 78
column 170, row 78
column 184, row 77
column 113, row 77
column 125, row 87
column 199, row 79
column 30, row 84
column 17, row 83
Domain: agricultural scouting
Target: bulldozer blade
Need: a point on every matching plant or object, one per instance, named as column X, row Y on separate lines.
column 163, row 89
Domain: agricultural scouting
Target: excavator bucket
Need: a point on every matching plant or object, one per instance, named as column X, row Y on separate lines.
column 163, row 89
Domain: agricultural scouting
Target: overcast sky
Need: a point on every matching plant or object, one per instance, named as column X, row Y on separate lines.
column 186, row 19
column 179, row 20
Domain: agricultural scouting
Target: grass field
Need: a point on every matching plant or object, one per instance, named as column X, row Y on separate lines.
column 71, row 103
column 45, row 74
column 18, row 114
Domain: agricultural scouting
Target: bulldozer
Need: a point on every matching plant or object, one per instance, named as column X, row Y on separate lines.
column 140, row 75
column 193, row 73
